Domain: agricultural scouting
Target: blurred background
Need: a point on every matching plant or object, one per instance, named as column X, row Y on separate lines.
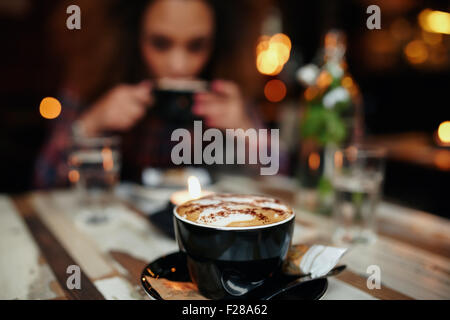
column 401, row 72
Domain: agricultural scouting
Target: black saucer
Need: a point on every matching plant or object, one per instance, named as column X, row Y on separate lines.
column 163, row 220
column 173, row 267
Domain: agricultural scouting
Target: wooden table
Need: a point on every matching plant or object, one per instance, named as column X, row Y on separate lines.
column 42, row 233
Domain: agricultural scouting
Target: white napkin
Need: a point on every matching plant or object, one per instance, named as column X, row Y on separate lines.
column 319, row 260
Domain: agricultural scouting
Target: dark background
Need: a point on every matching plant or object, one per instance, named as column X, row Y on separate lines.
column 397, row 98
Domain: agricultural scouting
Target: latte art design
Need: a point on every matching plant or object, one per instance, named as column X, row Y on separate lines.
column 231, row 210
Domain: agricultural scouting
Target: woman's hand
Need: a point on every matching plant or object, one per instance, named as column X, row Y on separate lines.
column 223, row 107
column 118, row 110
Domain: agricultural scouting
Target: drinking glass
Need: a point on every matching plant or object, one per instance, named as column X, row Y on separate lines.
column 94, row 167
column 357, row 181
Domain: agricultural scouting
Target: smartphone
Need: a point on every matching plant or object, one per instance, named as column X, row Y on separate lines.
column 174, row 99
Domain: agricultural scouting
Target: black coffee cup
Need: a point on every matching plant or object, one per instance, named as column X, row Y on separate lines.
column 174, row 99
column 227, row 262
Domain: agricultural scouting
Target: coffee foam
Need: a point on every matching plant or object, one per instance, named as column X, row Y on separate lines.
column 229, row 210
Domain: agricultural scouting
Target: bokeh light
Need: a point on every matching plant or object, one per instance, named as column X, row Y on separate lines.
column 311, row 93
column 263, row 44
column 416, row 52
column 314, row 161
column 267, row 62
column 275, row 90
column 347, row 82
column 282, row 38
column 444, row 132
column 435, row 21
column 272, row 53
column 50, row 108
column 442, row 160
column 108, row 161
column 73, row 176
column 338, row 159
column 324, row 79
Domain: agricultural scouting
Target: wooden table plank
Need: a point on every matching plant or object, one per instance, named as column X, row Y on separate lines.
column 81, row 248
column 25, row 273
column 415, row 227
column 61, row 213
column 55, row 254
column 134, row 267
column 132, row 233
column 409, row 270
column 124, row 231
column 384, row 293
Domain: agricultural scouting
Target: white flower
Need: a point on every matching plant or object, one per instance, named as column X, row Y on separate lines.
column 335, row 69
column 307, row 74
column 335, row 96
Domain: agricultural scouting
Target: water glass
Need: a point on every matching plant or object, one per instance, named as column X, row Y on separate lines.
column 94, row 167
column 357, row 180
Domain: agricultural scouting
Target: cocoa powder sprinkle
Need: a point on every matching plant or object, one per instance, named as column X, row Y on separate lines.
column 255, row 207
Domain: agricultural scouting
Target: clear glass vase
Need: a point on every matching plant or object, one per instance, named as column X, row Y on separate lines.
column 331, row 117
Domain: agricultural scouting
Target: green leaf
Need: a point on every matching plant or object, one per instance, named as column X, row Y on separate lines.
column 357, row 198
column 323, row 125
column 325, row 186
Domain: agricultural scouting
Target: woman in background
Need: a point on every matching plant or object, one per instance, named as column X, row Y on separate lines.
column 109, row 69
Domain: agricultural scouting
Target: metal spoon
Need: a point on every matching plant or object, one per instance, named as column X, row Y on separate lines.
column 304, row 279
